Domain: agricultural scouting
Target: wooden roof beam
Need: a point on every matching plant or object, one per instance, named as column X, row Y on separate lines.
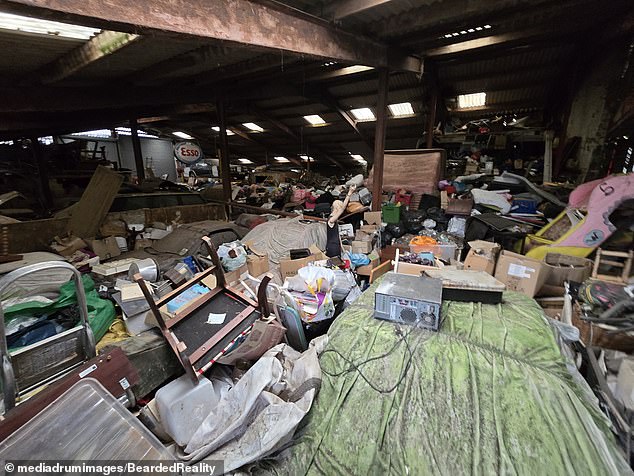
column 243, row 22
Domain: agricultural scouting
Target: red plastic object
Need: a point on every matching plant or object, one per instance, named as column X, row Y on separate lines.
column 405, row 198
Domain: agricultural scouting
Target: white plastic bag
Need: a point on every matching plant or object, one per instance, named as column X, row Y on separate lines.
column 232, row 255
column 260, row 414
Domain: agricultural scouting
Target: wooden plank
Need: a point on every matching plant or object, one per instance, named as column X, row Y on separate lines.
column 95, row 202
column 27, row 236
column 379, row 139
column 237, row 21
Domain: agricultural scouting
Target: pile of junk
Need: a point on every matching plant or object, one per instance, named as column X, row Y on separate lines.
column 280, row 342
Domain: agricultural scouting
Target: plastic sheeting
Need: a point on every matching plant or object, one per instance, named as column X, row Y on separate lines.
column 261, row 412
column 488, row 394
column 278, row 236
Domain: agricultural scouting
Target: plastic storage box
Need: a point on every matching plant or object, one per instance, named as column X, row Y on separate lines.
column 391, row 213
column 444, row 252
column 183, row 406
column 85, row 424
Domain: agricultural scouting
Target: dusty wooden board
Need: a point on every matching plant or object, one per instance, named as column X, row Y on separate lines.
column 34, row 235
column 415, row 170
column 95, row 203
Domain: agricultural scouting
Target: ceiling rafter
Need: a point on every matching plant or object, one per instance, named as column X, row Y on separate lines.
column 258, row 25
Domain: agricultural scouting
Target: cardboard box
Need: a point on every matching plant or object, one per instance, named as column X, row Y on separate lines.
column 482, row 256
column 257, row 264
column 68, row 245
column 562, row 268
column 290, row 267
column 106, row 248
column 372, row 218
column 521, row 274
column 361, row 247
column 362, row 236
column 370, row 229
column 235, row 275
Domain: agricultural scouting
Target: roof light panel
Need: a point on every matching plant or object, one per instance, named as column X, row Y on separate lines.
column 9, row 21
column 282, row 160
column 307, row 158
column 363, row 114
column 217, row 129
column 253, row 127
column 182, row 135
column 466, row 101
column 401, row 109
column 315, row 119
column 245, row 161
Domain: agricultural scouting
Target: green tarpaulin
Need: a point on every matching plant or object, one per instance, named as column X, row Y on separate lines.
column 488, row 394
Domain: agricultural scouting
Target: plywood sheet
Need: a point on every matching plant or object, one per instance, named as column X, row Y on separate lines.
column 95, row 203
column 416, row 170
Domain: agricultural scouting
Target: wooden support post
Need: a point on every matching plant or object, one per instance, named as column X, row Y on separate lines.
column 379, row 139
column 225, row 172
column 136, row 147
column 548, row 155
column 42, row 171
column 431, row 119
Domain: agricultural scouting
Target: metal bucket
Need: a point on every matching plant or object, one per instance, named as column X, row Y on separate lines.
column 147, row 267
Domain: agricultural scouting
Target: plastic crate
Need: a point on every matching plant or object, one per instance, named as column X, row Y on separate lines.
column 391, row 213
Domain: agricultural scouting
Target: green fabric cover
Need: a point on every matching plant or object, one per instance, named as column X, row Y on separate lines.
column 488, row 394
column 101, row 312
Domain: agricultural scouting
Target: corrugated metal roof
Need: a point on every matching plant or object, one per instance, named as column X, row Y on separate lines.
column 135, row 57
column 24, row 53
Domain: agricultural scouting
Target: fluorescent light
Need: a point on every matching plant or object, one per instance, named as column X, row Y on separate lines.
column 455, row 34
column 98, row 133
column 307, row 158
column 478, row 28
column 182, row 135
column 126, row 131
column 253, row 127
column 470, row 30
column 217, row 129
column 296, row 171
column 358, row 158
column 315, row 119
column 471, row 100
column 463, row 32
column 401, row 109
column 486, row 27
column 46, row 27
column 282, row 160
column 245, row 161
column 363, row 114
